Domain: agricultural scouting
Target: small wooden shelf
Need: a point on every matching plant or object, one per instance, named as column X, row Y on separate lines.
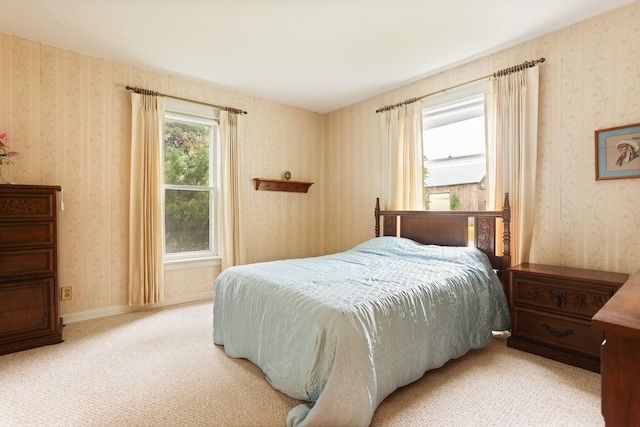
column 266, row 184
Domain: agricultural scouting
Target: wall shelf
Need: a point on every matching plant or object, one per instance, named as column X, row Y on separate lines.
column 267, row 184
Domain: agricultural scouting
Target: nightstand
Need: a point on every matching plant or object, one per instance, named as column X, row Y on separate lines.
column 551, row 310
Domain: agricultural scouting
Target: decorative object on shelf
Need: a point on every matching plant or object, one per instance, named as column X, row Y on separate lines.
column 287, row 175
column 618, row 152
column 5, row 154
column 267, row 184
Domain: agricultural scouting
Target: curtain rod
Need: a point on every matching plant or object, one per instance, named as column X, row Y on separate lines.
column 506, row 71
column 151, row 92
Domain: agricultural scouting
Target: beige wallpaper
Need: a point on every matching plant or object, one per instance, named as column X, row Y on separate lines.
column 590, row 80
column 69, row 116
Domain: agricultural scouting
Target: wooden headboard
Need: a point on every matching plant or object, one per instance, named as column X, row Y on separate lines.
column 451, row 228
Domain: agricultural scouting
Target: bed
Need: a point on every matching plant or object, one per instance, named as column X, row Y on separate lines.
column 341, row 332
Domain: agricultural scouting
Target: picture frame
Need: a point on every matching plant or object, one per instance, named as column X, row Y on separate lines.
column 617, row 151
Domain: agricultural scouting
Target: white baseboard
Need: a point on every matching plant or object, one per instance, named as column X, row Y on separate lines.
column 122, row 309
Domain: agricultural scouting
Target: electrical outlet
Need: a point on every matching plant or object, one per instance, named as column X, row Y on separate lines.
column 66, row 293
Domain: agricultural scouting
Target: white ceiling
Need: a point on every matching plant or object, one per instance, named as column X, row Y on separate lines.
column 319, row 55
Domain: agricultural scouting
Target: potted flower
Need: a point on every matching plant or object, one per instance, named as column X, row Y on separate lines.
column 5, row 153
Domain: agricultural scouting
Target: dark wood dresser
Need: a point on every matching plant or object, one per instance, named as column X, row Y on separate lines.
column 29, row 315
column 551, row 309
column 620, row 365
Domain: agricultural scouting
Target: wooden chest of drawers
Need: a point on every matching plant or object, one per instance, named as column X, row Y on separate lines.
column 620, row 321
column 551, row 310
column 29, row 315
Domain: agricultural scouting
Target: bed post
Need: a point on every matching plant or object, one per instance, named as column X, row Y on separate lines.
column 506, row 240
column 377, row 215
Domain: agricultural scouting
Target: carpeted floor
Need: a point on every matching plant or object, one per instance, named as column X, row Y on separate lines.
column 160, row 368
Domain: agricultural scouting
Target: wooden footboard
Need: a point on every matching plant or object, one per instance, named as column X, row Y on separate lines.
column 453, row 228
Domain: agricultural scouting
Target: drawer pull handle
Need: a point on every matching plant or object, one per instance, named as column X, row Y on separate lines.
column 556, row 333
column 558, row 298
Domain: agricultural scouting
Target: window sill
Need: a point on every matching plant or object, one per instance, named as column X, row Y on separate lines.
column 183, row 264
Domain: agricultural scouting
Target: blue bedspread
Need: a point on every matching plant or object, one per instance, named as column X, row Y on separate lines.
column 343, row 331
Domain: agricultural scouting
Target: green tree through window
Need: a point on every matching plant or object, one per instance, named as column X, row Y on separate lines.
column 188, row 189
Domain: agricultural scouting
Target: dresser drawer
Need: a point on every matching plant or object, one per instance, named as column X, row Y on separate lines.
column 567, row 333
column 27, row 262
column 27, row 205
column 561, row 296
column 26, row 234
column 26, row 307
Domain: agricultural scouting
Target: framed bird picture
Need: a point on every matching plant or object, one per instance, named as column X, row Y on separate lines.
column 618, row 152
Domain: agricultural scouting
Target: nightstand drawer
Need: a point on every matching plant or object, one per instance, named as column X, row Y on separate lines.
column 560, row 296
column 566, row 333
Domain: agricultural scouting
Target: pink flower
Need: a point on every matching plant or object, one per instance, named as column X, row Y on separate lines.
column 5, row 154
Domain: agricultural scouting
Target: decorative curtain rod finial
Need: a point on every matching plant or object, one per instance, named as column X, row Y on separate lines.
column 519, row 67
column 143, row 91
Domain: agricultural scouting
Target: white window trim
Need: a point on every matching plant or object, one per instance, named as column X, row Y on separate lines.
column 201, row 114
column 185, row 264
column 452, row 112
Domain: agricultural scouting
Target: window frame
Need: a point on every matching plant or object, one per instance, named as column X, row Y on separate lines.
column 202, row 115
column 446, row 108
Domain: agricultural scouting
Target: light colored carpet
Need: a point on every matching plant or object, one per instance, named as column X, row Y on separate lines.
column 160, row 368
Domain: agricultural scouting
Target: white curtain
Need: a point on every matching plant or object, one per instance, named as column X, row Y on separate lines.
column 232, row 205
column 146, row 273
column 511, row 112
column 403, row 132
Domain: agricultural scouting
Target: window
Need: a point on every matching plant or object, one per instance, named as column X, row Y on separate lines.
column 454, row 149
column 439, row 201
column 190, row 178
